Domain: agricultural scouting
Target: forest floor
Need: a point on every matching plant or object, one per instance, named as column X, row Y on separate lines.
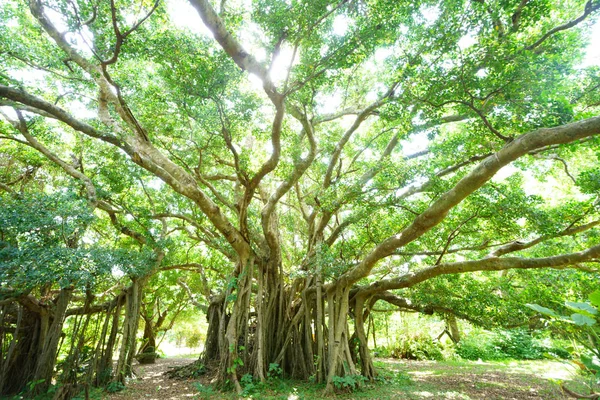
column 153, row 384
column 531, row 380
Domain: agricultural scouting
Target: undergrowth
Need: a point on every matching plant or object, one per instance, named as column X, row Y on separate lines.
column 516, row 344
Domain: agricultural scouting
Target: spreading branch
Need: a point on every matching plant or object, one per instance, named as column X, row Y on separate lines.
column 469, row 184
column 571, row 260
column 589, row 8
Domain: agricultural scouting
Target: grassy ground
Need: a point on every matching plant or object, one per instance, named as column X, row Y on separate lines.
column 399, row 380
column 477, row 380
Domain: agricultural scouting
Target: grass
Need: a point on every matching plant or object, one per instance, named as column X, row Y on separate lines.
column 399, row 379
column 441, row 380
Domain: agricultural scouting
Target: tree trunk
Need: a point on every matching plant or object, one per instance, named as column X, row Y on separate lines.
column 261, row 327
column 261, row 323
column 338, row 316
column 20, row 359
column 31, row 354
column 453, row 328
column 149, row 338
column 367, row 368
column 130, row 326
column 211, row 346
column 47, row 359
column 104, row 365
column 69, row 384
column 229, row 349
column 319, row 325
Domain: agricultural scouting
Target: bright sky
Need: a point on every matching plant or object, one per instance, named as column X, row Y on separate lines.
column 593, row 50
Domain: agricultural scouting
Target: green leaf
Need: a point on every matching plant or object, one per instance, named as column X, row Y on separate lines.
column 587, row 309
column 591, row 362
column 580, row 319
column 595, row 298
column 543, row 310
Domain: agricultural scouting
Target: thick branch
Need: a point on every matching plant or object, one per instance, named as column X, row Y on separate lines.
column 300, row 168
column 6, row 188
column 125, row 230
column 97, row 307
column 37, row 11
column 516, row 17
column 518, row 245
column 272, row 162
column 231, row 45
column 469, row 184
column 193, row 267
column 406, row 305
column 44, row 108
column 333, row 116
column 147, row 156
column 486, row 264
column 188, row 291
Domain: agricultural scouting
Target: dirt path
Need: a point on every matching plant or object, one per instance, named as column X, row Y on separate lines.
column 407, row 380
column 153, row 385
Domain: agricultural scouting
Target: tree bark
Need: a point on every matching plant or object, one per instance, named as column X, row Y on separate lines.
column 47, row 359
column 211, row 346
column 453, row 327
column 104, row 367
column 367, row 367
column 130, row 325
column 338, row 308
column 20, row 360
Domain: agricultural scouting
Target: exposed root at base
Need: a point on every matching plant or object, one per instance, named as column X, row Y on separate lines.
column 189, row 371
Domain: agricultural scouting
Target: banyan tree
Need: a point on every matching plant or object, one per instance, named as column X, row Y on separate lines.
column 303, row 160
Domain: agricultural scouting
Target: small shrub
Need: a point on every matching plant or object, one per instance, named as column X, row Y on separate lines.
column 91, row 394
column 275, row 370
column 31, row 385
column 517, row 344
column 382, row 351
column 479, row 346
column 348, row 383
column 199, row 371
column 205, row 392
column 402, row 379
column 84, row 357
column 248, row 385
column 194, row 339
column 417, row 347
column 114, row 387
column 557, row 352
